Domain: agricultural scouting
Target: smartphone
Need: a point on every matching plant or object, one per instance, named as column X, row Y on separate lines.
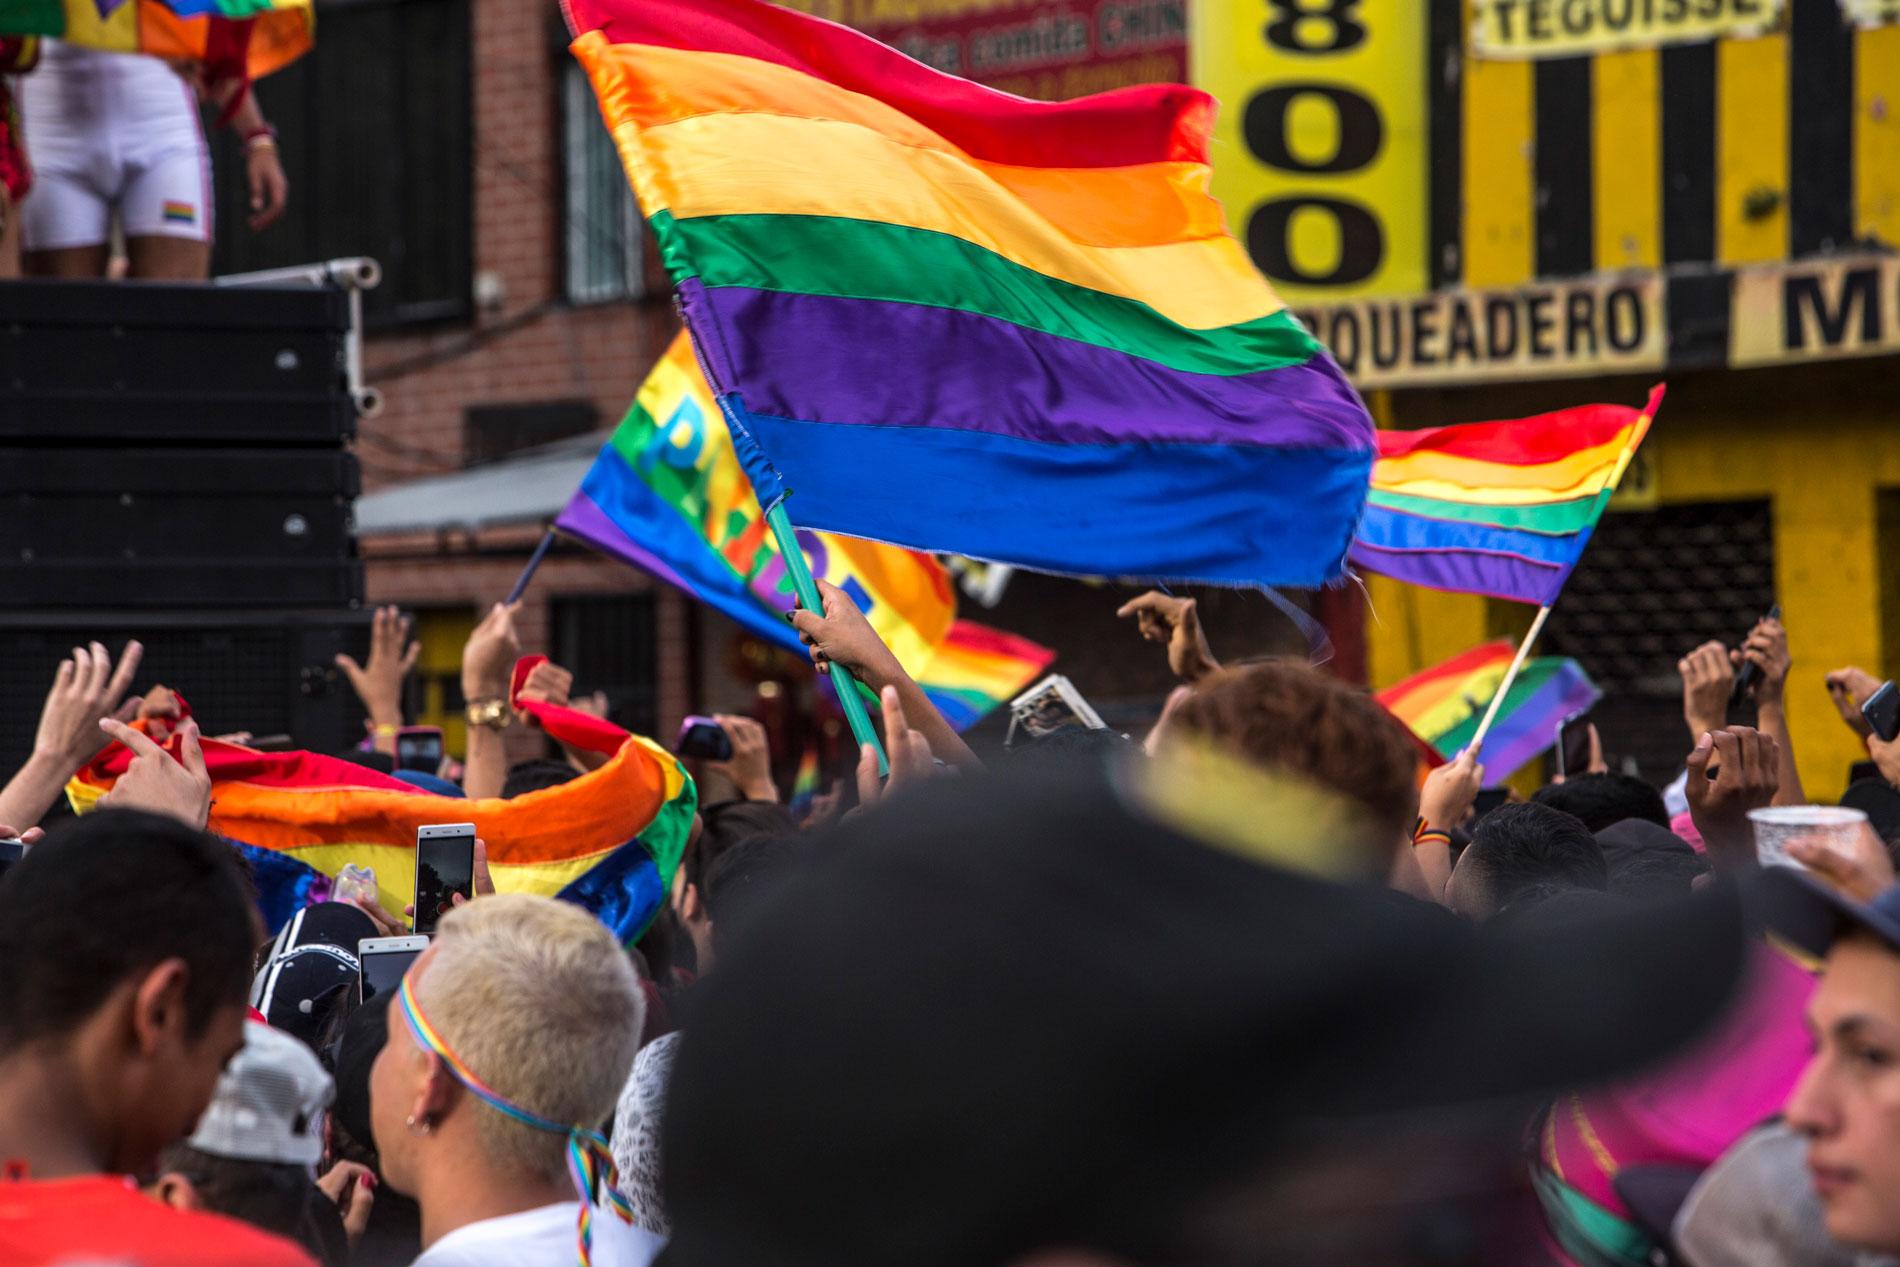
column 1573, row 744
column 1746, row 675
column 445, row 866
column 1049, row 706
column 419, row 748
column 381, row 961
column 1487, row 800
column 12, row 849
column 1882, row 711
column 703, row 737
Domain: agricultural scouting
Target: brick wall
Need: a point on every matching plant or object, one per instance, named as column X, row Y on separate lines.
column 531, row 347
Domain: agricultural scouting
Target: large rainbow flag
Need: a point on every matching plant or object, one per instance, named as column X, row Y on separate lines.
column 1503, row 509
column 668, row 495
column 609, row 840
column 254, row 36
column 1443, row 705
column 963, row 321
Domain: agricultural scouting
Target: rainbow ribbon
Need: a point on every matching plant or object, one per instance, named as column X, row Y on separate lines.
column 590, row 1162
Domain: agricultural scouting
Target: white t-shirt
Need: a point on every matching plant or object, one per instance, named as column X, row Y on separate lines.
column 542, row 1238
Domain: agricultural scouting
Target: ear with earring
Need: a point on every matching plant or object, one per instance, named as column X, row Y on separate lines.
column 419, row 1126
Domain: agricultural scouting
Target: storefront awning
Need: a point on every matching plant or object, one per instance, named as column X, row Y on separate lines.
column 530, row 488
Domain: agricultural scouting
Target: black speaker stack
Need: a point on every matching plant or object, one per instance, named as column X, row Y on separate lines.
column 174, row 467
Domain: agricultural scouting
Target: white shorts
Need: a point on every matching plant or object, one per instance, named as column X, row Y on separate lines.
column 109, row 131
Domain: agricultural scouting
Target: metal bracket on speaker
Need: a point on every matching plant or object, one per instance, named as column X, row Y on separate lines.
column 353, row 275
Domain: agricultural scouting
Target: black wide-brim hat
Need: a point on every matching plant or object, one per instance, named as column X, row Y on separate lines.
column 996, row 1007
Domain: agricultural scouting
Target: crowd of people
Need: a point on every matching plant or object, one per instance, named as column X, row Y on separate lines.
column 1250, row 988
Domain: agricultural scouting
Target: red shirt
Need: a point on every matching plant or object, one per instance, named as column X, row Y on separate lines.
column 105, row 1221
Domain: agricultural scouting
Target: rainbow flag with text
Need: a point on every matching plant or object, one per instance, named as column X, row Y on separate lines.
column 669, row 496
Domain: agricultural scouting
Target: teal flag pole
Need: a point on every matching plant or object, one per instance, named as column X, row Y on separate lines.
column 806, row 588
column 771, row 492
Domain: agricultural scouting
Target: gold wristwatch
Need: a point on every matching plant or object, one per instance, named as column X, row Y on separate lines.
column 492, row 713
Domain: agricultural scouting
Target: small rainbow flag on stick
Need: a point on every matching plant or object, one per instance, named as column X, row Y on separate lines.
column 1503, row 509
column 1442, row 705
column 667, row 495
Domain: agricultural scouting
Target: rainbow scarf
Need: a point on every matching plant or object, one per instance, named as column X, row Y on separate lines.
column 590, row 1162
column 668, row 495
column 609, row 840
column 1503, row 509
column 254, row 37
column 964, row 321
column 1443, row 705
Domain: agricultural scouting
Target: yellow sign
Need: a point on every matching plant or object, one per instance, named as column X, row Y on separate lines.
column 1819, row 310
column 1320, row 148
column 1565, row 28
column 1543, row 330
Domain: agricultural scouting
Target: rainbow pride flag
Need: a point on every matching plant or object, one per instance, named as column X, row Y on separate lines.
column 1443, row 705
column 1503, row 509
column 668, row 495
column 609, row 840
column 964, row 321
column 256, row 36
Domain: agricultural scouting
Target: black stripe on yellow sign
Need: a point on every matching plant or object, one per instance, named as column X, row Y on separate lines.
column 1820, row 137
column 1565, row 190
column 1444, row 68
column 1688, row 154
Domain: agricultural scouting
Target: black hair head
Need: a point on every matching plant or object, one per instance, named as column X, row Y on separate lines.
column 111, row 895
column 532, row 776
column 730, row 823
column 275, row 1198
column 1601, row 800
column 1520, row 847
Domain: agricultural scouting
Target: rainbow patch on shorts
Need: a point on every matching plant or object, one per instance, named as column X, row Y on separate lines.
column 181, row 213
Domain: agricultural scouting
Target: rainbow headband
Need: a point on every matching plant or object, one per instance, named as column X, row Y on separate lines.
column 589, row 1160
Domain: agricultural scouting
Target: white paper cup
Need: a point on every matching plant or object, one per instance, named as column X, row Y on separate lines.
column 1832, row 825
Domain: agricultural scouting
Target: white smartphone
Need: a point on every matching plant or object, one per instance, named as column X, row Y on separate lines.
column 445, row 866
column 381, row 961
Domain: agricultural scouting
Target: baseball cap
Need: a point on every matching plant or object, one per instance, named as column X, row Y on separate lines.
column 311, row 968
column 1811, row 914
column 993, row 1009
column 269, row 1103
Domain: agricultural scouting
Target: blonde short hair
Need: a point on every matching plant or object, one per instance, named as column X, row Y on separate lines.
column 536, row 997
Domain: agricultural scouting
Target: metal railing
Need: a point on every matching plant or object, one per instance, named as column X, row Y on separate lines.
column 353, row 276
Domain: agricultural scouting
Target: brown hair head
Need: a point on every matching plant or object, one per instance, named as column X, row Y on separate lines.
column 1287, row 716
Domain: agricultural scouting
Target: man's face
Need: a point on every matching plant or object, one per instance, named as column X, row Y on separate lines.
column 1847, row 1102
column 168, row 1095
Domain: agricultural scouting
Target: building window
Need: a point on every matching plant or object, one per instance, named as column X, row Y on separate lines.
column 609, row 643
column 492, row 432
column 602, row 239
column 376, row 137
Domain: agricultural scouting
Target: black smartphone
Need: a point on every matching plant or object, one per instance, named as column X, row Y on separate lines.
column 1746, row 675
column 381, row 961
column 1487, row 800
column 703, row 737
column 419, row 748
column 12, row 849
column 445, row 866
column 1882, row 711
column 1573, row 745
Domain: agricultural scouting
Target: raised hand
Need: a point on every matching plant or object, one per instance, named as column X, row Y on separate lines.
column 1863, row 872
column 1849, row 688
column 1708, row 680
column 1747, row 774
column 1449, row 792
column 488, row 658
column 1767, row 649
column 392, row 654
column 842, row 635
column 909, row 753
column 1176, row 622
column 86, row 688
column 750, row 769
column 155, row 782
